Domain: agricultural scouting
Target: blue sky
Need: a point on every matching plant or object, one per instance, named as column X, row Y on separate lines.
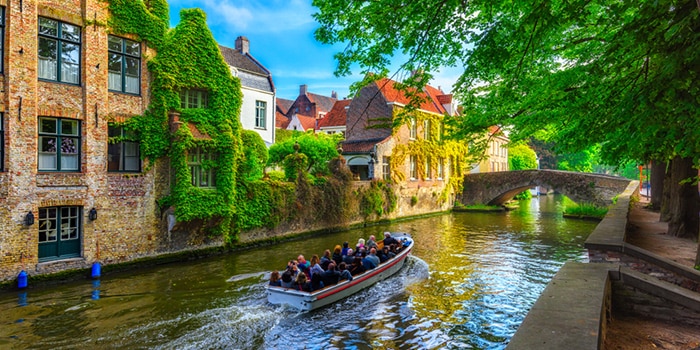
column 281, row 38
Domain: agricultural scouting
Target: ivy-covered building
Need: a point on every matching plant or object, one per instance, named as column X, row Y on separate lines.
column 105, row 133
column 386, row 140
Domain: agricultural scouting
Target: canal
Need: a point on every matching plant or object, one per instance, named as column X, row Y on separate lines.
column 469, row 284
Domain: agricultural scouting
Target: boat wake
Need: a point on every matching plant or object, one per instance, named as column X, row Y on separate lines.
column 263, row 275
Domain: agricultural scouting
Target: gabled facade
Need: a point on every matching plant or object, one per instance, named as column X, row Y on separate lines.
column 308, row 109
column 496, row 152
column 281, row 107
column 258, row 111
column 375, row 149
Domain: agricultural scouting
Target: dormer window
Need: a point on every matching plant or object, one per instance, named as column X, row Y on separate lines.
column 194, row 99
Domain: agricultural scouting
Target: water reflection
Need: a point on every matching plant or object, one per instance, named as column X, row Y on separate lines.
column 469, row 284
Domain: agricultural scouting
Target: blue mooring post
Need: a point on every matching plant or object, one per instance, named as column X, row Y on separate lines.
column 96, row 268
column 22, row 280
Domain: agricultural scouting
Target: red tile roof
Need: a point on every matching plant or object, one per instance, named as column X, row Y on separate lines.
column 281, row 120
column 337, row 116
column 429, row 96
column 308, row 123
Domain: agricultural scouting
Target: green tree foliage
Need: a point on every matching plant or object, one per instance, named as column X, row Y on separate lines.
column 318, row 148
column 521, row 157
column 581, row 161
column 255, row 156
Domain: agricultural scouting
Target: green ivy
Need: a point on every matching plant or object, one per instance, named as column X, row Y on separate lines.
column 188, row 57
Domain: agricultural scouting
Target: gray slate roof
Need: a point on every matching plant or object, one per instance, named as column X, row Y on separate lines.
column 250, row 71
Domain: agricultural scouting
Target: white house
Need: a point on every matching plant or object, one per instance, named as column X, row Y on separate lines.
column 258, row 107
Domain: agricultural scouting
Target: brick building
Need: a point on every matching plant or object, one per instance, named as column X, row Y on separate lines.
column 67, row 197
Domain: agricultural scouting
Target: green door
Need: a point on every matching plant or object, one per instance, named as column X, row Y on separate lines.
column 59, row 233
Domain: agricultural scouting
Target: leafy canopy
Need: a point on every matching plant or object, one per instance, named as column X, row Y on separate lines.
column 521, row 157
column 318, row 148
column 619, row 73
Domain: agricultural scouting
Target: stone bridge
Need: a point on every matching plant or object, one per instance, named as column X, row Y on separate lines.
column 498, row 187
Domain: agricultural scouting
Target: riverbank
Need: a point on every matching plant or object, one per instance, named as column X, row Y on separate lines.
column 626, row 332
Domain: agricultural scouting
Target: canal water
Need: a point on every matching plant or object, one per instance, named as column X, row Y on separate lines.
column 469, row 284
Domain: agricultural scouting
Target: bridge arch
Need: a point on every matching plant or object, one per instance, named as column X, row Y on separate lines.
column 498, row 187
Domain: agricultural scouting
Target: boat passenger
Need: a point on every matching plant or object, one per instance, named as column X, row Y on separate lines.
column 337, row 257
column 347, row 259
column 287, row 280
column 344, row 252
column 388, row 240
column 325, row 259
column 316, row 282
column 371, row 260
column 356, row 268
column 382, row 255
column 293, row 268
column 344, row 272
column 315, row 266
column 302, row 283
column 303, row 265
column 275, row 279
column 360, row 244
column 371, row 243
column 331, row 275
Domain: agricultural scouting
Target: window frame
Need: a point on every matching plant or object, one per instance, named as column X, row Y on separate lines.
column 426, row 129
column 428, row 171
column 386, row 168
column 413, row 128
column 59, row 136
column 413, row 167
column 123, row 140
column 202, row 98
column 440, row 168
column 60, row 42
column 123, row 72
column 261, row 114
column 70, row 215
column 195, row 158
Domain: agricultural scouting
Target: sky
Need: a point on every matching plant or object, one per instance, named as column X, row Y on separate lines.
column 281, row 34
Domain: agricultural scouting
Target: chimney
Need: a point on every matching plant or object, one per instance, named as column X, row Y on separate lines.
column 334, row 95
column 302, row 89
column 242, row 45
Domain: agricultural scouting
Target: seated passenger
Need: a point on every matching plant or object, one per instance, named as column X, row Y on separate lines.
column 356, row 268
column 303, row 265
column 382, row 254
column 287, row 281
column 347, row 259
column 301, row 283
column 325, row 259
column 388, row 240
column 344, row 252
column 292, row 268
column 360, row 245
column 371, row 260
column 337, row 256
column 330, row 276
column 316, row 282
column 275, row 279
column 371, row 243
column 315, row 266
column 344, row 273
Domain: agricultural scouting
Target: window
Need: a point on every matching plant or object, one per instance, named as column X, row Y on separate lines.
column 427, row 168
column 59, row 51
column 59, row 232
column 201, row 165
column 260, row 112
column 414, row 128
column 124, row 65
column 414, row 170
column 440, row 168
column 441, row 130
column 59, row 144
column 194, row 99
column 386, row 170
column 122, row 151
column 2, row 37
column 2, row 143
column 426, row 130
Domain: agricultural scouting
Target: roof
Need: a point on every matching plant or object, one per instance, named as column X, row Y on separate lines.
column 246, row 62
column 361, row 146
column 283, row 105
column 281, row 108
column 430, row 96
column 281, row 120
column 323, row 103
column 309, row 123
column 337, row 115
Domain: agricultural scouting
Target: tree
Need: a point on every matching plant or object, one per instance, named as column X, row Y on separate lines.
column 617, row 73
column 521, row 157
column 255, row 156
column 318, row 148
column 581, row 161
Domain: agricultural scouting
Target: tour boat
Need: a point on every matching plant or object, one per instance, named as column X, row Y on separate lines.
column 307, row 301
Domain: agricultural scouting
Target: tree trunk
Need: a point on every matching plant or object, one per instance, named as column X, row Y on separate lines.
column 684, row 200
column 658, row 172
column 666, row 195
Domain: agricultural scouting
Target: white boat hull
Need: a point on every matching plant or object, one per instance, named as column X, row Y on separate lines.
column 308, row 301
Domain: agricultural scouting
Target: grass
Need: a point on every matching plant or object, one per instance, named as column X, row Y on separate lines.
column 586, row 210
